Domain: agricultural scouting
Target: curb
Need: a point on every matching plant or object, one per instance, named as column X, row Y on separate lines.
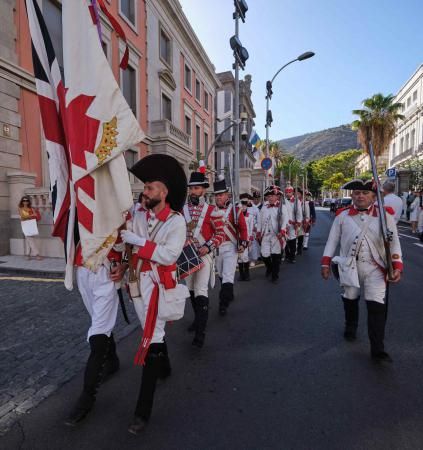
column 31, row 272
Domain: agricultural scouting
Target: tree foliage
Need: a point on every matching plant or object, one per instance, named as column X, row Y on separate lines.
column 377, row 122
column 415, row 166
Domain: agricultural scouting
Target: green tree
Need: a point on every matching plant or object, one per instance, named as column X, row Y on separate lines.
column 288, row 164
column 377, row 122
column 415, row 166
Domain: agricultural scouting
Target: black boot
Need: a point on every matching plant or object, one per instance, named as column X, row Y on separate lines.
column 99, row 344
column 226, row 295
column 276, row 262
column 351, row 318
column 376, row 321
column 300, row 241
column 154, row 367
column 241, row 271
column 202, row 305
column 290, row 250
column 247, row 271
column 112, row 364
column 193, row 326
column 268, row 264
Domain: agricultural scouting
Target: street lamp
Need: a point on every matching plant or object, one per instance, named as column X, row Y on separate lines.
column 269, row 93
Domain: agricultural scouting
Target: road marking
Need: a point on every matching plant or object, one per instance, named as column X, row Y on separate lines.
column 45, row 280
column 420, row 245
column 409, row 237
column 404, row 228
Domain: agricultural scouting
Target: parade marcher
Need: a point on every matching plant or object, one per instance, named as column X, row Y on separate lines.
column 392, row 200
column 100, row 297
column 205, row 232
column 304, row 227
column 236, row 241
column 158, row 237
column 312, row 209
column 295, row 218
column 271, row 230
column 244, row 257
column 362, row 263
column 254, row 210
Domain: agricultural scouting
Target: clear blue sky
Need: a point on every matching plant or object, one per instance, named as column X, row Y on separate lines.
column 362, row 47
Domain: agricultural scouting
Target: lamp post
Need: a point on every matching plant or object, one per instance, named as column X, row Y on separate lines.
column 269, row 92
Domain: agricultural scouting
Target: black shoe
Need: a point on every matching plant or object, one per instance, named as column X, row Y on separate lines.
column 198, row 340
column 192, row 327
column 268, row 273
column 137, row 426
column 83, row 406
column 305, row 248
column 381, row 357
column 222, row 310
column 275, row 280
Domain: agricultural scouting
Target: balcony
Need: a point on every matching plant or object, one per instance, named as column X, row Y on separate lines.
column 404, row 155
column 169, row 139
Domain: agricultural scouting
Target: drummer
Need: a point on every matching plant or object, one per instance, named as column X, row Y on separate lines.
column 205, row 231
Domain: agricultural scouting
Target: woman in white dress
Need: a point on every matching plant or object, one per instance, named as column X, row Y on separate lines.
column 415, row 209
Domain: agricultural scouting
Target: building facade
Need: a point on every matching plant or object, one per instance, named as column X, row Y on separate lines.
column 181, row 86
column 23, row 161
column 225, row 146
column 408, row 140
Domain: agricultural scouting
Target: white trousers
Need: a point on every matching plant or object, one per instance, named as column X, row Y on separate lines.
column 141, row 307
column 32, row 246
column 199, row 281
column 244, row 257
column 254, row 251
column 270, row 244
column 100, row 297
column 226, row 262
column 372, row 282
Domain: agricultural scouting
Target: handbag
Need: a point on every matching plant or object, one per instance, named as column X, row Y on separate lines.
column 171, row 301
column 29, row 227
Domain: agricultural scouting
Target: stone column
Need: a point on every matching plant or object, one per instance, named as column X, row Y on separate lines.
column 245, row 180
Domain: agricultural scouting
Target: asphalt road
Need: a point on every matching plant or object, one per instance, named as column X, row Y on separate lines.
column 274, row 374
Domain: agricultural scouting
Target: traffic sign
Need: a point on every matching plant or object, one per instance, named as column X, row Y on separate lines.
column 266, row 163
column 391, row 173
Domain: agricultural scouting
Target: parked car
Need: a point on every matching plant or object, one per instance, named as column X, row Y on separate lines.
column 327, row 201
column 342, row 202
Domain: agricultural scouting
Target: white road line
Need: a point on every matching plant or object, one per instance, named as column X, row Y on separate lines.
column 420, row 245
column 45, row 280
column 409, row 237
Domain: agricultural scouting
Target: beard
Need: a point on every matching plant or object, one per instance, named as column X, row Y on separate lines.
column 194, row 199
column 150, row 203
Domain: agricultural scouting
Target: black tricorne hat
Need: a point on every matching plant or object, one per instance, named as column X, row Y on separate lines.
column 219, row 186
column 164, row 168
column 198, row 179
column 272, row 190
column 360, row 185
column 245, row 195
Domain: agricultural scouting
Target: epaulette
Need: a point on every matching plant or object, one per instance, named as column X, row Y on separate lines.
column 338, row 211
column 389, row 210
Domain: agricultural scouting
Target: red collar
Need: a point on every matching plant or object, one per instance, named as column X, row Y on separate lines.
column 371, row 210
column 162, row 215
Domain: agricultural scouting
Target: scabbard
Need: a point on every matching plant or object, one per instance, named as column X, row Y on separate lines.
column 123, row 306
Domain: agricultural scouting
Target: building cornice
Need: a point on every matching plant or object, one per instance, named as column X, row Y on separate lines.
column 17, row 75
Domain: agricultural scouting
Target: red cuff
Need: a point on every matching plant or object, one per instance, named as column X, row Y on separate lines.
column 325, row 261
column 147, row 250
column 397, row 265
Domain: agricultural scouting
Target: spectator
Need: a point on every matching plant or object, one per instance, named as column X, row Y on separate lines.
column 392, row 200
column 27, row 212
column 415, row 209
column 410, row 199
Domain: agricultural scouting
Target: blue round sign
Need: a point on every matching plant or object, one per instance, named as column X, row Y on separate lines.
column 266, row 163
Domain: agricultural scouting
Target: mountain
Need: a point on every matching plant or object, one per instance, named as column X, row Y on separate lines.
column 310, row 146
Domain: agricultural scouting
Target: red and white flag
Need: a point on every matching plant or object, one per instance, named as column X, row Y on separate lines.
column 88, row 125
column 100, row 126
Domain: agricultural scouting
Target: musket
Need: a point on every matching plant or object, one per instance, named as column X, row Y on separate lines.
column 386, row 233
column 233, row 194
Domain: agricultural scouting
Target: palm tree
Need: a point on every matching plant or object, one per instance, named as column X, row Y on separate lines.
column 377, row 122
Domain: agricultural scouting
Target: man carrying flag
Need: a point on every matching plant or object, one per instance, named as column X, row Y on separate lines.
column 98, row 126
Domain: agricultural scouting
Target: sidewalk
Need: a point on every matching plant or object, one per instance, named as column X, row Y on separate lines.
column 19, row 265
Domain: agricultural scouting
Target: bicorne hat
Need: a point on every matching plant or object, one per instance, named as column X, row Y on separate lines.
column 198, row 179
column 164, row 168
column 219, row 186
column 272, row 190
column 360, row 185
column 245, row 195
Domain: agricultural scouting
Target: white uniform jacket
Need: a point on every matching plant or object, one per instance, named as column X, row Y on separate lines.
column 345, row 232
column 268, row 220
column 305, row 223
column 295, row 216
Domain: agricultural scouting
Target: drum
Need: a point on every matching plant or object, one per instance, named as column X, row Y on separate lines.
column 188, row 262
